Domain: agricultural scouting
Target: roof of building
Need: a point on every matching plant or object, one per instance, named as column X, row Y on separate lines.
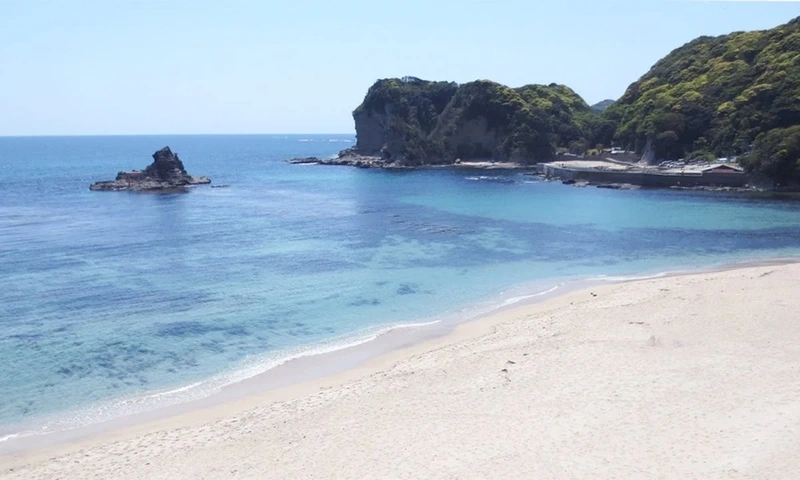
column 722, row 166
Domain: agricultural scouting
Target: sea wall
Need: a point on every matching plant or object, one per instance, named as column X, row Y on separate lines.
column 646, row 179
column 626, row 158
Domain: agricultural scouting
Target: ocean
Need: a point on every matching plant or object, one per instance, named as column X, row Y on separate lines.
column 114, row 303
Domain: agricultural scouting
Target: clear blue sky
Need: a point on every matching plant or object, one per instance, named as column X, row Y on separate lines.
column 301, row 66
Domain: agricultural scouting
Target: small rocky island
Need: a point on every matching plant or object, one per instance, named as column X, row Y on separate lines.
column 166, row 173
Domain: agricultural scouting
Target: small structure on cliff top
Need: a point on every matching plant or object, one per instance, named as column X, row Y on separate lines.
column 165, row 173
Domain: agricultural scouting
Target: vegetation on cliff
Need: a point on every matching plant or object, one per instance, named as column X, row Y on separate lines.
column 488, row 120
column 422, row 122
column 601, row 106
column 409, row 109
column 714, row 95
column 732, row 95
column 776, row 154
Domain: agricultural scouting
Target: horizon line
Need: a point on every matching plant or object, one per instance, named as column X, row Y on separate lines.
column 58, row 135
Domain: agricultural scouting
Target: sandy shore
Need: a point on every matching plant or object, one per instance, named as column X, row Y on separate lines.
column 694, row 376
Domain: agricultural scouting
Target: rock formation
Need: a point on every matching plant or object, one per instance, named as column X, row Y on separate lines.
column 165, row 173
column 351, row 157
column 409, row 122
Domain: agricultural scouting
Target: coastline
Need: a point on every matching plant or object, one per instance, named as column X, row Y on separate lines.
column 310, row 362
column 372, row 162
column 367, row 369
column 274, row 370
column 623, row 181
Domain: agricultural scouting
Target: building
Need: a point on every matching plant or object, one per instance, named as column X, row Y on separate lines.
column 617, row 172
column 722, row 168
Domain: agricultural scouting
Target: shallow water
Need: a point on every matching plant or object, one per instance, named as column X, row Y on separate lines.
column 113, row 302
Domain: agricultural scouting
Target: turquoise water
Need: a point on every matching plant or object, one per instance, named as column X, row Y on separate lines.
column 113, row 302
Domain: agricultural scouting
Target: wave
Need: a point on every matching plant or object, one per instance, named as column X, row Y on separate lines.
column 174, row 391
column 631, row 278
column 750, row 261
column 12, row 436
column 513, row 300
column 489, row 178
column 149, row 401
column 108, row 410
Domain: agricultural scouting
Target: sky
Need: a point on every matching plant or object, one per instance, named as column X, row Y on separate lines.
column 109, row 67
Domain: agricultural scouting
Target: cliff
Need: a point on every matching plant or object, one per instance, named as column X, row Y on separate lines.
column 165, row 173
column 397, row 117
column 414, row 122
column 732, row 95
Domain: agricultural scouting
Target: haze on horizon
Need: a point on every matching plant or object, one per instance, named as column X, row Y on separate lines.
column 179, row 67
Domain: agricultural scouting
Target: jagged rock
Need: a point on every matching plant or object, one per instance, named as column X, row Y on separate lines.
column 616, row 186
column 711, row 188
column 649, row 153
column 165, row 173
column 304, row 160
column 350, row 157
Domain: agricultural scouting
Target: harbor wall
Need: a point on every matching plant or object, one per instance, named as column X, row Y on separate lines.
column 646, row 179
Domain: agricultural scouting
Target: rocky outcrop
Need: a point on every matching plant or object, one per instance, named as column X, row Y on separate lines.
column 649, row 153
column 349, row 157
column 411, row 122
column 408, row 122
column 165, row 173
column 372, row 131
column 474, row 139
column 396, row 118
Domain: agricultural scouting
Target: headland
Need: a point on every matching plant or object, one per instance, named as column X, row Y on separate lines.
column 713, row 101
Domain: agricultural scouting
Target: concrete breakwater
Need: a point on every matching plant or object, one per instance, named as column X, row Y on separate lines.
column 718, row 176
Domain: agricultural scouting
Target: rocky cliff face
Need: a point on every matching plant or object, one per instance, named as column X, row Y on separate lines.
column 167, row 167
column 412, row 122
column 396, row 118
column 473, row 140
column 371, row 131
column 165, row 173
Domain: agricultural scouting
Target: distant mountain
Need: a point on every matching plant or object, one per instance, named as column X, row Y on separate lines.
column 714, row 97
column 601, row 106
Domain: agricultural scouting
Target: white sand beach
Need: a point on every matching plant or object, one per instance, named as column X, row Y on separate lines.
column 682, row 377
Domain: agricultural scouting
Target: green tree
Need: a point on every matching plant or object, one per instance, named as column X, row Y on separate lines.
column 776, row 154
column 725, row 90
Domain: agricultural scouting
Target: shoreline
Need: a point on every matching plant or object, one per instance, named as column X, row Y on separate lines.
column 252, row 393
column 377, row 163
column 309, row 362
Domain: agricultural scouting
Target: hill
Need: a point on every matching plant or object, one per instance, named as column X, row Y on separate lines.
column 601, row 106
column 731, row 95
column 410, row 121
column 713, row 96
